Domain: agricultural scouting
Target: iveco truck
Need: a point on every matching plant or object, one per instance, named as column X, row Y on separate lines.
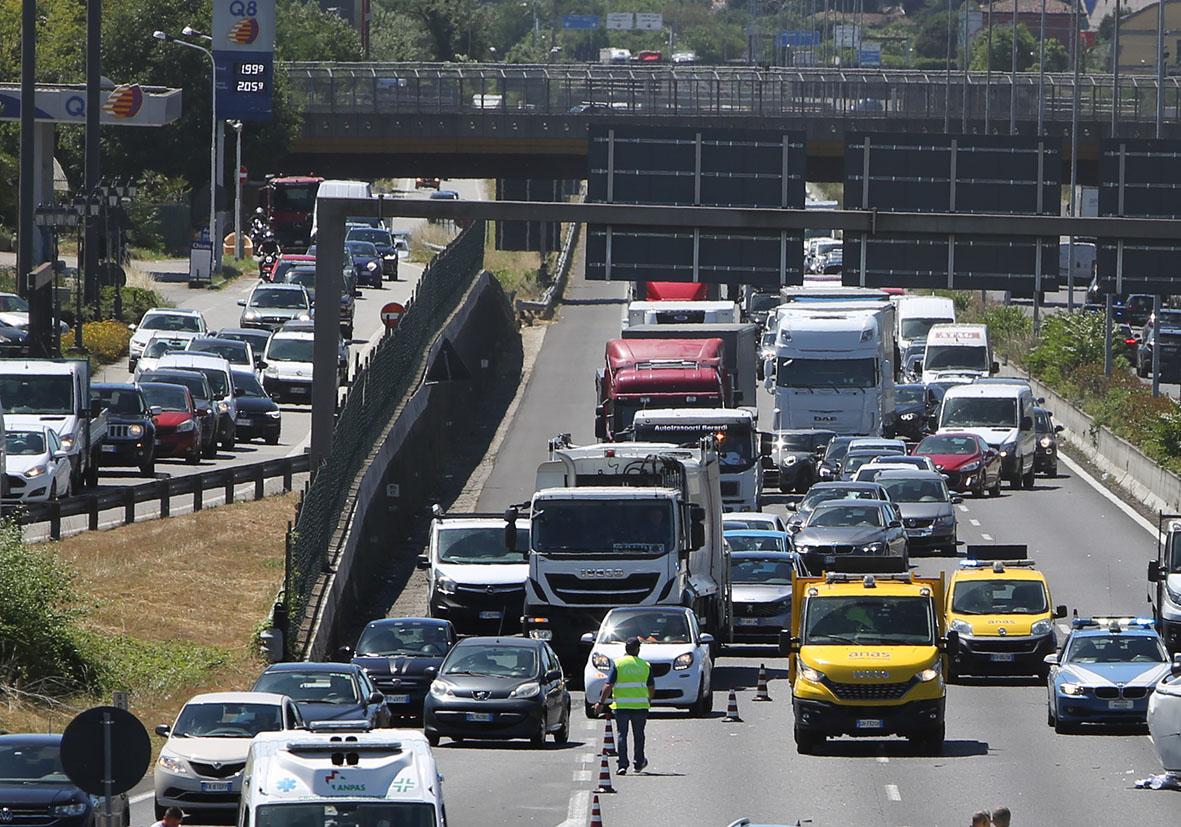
column 624, row 524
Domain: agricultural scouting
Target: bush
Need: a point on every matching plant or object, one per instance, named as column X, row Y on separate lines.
column 1068, row 340
column 38, row 648
column 107, row 340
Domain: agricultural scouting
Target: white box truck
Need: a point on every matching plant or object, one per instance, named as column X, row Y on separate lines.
column 957, row 351
column 916, row 315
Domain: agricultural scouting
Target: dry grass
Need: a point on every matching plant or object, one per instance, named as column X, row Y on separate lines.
column 197, row 585
column 440, row 234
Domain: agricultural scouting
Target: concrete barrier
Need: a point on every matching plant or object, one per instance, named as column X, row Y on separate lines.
column 403, row 473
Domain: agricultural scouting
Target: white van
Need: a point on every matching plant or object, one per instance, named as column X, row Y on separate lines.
column 368, row 778
column 338, row 189
column 916, row 315
column 957, row 351
column 1002, row 415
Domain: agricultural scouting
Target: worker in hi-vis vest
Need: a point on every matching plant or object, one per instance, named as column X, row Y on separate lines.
column 631, row 685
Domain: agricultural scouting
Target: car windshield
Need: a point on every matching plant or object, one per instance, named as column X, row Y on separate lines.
column 764, row 572
column 165, row 397
column 855, row 460
column 835, row 374
column 362, row 248
column 979, row 412
column 484, row 544
column 759, row 302
column 956, row 357
column 823, row 495
column 219, row 381
column 918, row 328
column 1173, row 556
column 733, row 523
column 735, row 440
column 282, row 299
column 914, row 490
column 373, row 236
column 37, row 393
column 807, row 441
column 256, row 340
column 837, row 449
column 248, row 384
column 170, row 321
column 649, row 627
column 598, row 526
column 159, row 347
column 1115, row 648
column 846, row 516
column 31, row 763
column 963, row 445
column 861, row 620
column 311, row 687
column 283, row 349
column 303, row 276
column 999, row 597
column 227, row 720
column 347, row 814
column 126, row 401
column 503, row 661
column 196, row 383
column 399, row 639
column 909, row 395
column 294, row 197
column 13, row 304
column 232, row 352
column 755, row 542
column 24, row 443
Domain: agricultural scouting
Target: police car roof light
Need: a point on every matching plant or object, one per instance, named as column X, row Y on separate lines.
column 1115, row 624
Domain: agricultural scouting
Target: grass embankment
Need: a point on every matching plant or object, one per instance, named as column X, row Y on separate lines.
column 164, row 609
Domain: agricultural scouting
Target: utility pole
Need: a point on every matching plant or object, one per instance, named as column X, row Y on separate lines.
column 988, row 73
column 964, row 65
column 1160, row 91
column 947, row 81
column 26, row 213
column 1074, row 127
column 94, row 11
column 1115, row 75
column 1013, row 77
column 1041, row 73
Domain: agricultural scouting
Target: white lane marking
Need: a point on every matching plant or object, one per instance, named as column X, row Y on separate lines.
column 987, row 537
column 974, row 522
column 892, row 793
column 1102, row 489
column 962, row 507
column 883, row 759
column 589, row 757
column 136, row 799
column 582, row 776
column 1063, row 628
column 578, row 812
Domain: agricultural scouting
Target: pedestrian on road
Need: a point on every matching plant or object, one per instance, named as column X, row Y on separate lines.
column 980, row 818
column 1001, row 817
column 173, row 816
column 631, row 685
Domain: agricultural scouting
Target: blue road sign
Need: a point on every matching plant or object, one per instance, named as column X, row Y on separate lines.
column 797, row 38
column 580, row 21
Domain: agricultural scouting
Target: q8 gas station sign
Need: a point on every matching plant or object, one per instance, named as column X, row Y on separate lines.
column 244, row 54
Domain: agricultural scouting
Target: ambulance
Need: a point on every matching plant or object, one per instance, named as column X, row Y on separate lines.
column 341, row 777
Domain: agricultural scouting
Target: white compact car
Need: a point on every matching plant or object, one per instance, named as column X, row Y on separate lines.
column 160, row 344
column 752, row 521
column 37, row 466
column 166, row 319
column 672, row 644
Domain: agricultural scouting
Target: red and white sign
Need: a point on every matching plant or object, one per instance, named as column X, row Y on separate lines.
column 242, row 174
column 391, row 314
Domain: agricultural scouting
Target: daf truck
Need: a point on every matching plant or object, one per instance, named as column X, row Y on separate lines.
column 736, row 435
column 624, row 524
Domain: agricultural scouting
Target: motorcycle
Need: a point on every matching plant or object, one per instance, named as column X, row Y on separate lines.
column 266, row 265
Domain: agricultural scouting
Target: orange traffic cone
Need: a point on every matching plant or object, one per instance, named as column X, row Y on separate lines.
column 732, row 709
column 609, row 739
column 761, row 693
column 596, row 812
column 604, row 776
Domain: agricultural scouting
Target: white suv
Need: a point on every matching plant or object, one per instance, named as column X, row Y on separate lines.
column 162, row 319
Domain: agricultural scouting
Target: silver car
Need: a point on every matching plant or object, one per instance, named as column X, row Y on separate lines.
column 927, row 507
column 866, row 528
column 761, row 594
column 271, row 305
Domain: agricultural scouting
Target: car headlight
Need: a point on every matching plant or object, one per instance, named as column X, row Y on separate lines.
column 825, row 471
column 1072, row 689
column 1046, row 442
column 223, row 407
column 600, row 661
column 967, row 469
column 250, row 315
column 909, row 417
column 1042, row 627
column 390, row 256
column 35, row 471
column 271, row 371
column 811, row 675
column 683, row 661
column 71, row 808
column 186, row 426
column 304, row 317
column 68, row 442
column 930, row 673
column 790, row 459
column 874, row 548
column 135, row 431
column 945, row 519
column 371, row 266
column 963, row 627
column 442, row 689
column 445, row 584
column 172, row 764
column 526, row 690
column 274, row 414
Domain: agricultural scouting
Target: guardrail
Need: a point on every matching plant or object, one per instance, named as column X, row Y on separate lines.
column 163, row 491
column 545, row 305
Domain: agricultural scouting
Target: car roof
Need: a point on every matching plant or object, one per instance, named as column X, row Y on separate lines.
column 173, row 311
column 785, row 556
column 651, row 609
column 278, row 285
column 305, row 667
column 46, row 738
column 747, row 515
column 909, row 473
column 1129, row 631
column 412, row 621
column 237, row 698
column 522, row 642
column 113, row 386
column 752, row 532
column 238, row 331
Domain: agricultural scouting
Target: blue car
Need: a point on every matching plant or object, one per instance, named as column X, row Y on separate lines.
column 366, row 262
column 1105, row 672
column 327, row 692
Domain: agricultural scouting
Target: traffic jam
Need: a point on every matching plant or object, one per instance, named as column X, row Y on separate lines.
column 769, row 471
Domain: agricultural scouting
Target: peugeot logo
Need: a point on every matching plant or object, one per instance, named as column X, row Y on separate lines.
column 1001, row 631
column 5, row 815
column 217, row 765
column 490, row 589
column 480, row 694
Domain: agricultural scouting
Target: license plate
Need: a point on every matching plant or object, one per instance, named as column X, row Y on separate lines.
column 830, row 558
column 869, row 723
column 109, row 449
column 397, row 699
column 541, row 634
column 216, row 786
column 491, row 615
column 1001, row 657
column 479, row 717
column 298, row 389
column 1119, row 704
column 245, row 420
column 747, row 621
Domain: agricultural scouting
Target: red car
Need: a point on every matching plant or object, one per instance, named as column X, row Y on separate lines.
column 178, row 433
column 426, row 183
column 967, row 461
column 286, row 262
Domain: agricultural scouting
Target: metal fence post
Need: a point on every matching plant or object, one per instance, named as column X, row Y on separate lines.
column 128, row 506
column 228, row 480
column 198, row 492
column 165, row 498
column 260, row 483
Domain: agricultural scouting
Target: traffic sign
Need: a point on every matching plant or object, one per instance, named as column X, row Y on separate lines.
column 580, row 21
column 846, row 36
column 391, row 314
column 242, row 173
column 622, row 20
column 105, row 750
column 797, row 38
column 243, row 57
column 652, row 21
column 870, row 54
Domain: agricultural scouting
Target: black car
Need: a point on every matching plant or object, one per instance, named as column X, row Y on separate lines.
column 498, row 688
column 1169, row 338
column 366, row 263
column 913, row 406
column 396, row 654
column 383, row 240
column 1133, row 310
column 257, row 339
column 259, row 416
column 202, row 394
column 794, row 458
column 34, row 789
column 131, row 432
column 830, row 465
column 327, row 692
column 1045, row 457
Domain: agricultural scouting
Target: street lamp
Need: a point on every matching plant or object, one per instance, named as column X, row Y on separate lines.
column 189, row 31
column 164, row 37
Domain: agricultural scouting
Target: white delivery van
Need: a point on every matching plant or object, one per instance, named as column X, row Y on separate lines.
column 957, row 351
column 338, row 189
column 341, row 776
column 1000, row 414
column 678, row 312
column 916, row 315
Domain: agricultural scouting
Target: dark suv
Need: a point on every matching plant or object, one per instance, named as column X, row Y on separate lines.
column 131, row 431
column 34, row 789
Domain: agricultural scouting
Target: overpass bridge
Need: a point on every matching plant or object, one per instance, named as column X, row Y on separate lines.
column 510, row 120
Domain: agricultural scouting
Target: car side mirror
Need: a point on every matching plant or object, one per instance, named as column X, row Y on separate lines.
column 957, row 499
column 345, row 652
column 1059, row 611
column 377, row 698
column 784, row 643
column 59, row 454
column 994, row 367
column 163, row 730
column 241, row 302
column 894, row 524
column 790, row 506
column 1051, row 659
column 262, row 363
column 155, row 410
column 431, row 672
column 951, row 641
column 697, row 529
column 794, row 527
column 1154, row 572
column 424, row 562
column 587, row 639
column 553, row 675
column 1026, row 423
column 706, row 639
column 1059, row 429
column 510, row 529
column 600, row 424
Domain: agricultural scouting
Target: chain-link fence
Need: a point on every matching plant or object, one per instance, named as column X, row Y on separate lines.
column 392, row 369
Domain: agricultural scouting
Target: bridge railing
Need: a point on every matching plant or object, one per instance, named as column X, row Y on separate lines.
column 487, row 89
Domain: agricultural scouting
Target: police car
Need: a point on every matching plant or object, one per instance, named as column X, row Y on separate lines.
column 1105, row 673
column 342, row 776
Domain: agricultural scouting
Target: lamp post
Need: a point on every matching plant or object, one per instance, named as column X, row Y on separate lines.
column 167, row 38
column 237, row 127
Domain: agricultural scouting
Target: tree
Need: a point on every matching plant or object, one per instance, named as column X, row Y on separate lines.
column 931, row 40
column 455, row 27
column 1057, row 58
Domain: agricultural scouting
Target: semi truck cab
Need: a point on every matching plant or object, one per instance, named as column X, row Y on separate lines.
column 1164, row 577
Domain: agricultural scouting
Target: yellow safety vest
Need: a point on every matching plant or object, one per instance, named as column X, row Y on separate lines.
column 631, row 683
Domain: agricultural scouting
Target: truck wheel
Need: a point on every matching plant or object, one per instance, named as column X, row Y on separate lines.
column 808, row 743
column 1027, row 481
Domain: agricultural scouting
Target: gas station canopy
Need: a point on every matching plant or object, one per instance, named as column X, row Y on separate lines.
column 126, row 105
